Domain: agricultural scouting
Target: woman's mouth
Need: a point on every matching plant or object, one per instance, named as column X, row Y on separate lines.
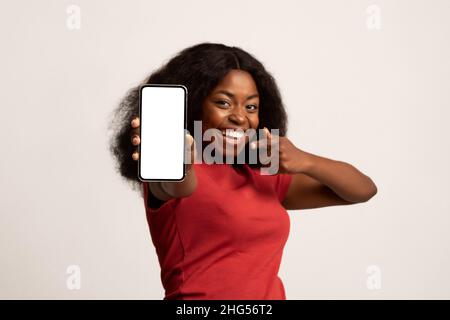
column 233, row 137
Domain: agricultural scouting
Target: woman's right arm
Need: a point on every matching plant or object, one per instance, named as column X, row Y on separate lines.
column 169, row 189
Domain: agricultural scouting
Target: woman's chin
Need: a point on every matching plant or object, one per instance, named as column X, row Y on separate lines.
column 226, row 149
column 231, row 148
column 231, row 153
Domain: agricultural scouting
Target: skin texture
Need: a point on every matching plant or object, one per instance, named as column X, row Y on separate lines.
column 317, row 181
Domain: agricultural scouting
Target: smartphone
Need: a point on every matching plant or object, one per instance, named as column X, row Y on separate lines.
column 162, row 112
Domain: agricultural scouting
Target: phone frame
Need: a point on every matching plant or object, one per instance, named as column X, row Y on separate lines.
column 184, row 131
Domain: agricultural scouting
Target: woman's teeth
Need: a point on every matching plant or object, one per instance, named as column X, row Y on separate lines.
column 233, row 134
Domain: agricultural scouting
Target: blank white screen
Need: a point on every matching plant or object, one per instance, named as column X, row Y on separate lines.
column 162, row 133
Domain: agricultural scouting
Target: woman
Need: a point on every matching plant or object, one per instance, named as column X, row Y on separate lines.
column 220, row 233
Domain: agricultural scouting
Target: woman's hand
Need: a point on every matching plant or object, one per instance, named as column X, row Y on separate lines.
column 190, row 152
column 135, row 137
column 291, row 160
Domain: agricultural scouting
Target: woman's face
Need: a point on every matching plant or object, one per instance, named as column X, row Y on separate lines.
column 232, row 104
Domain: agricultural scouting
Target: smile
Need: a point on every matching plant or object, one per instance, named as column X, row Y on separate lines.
column 233, row 134
column 232, row 137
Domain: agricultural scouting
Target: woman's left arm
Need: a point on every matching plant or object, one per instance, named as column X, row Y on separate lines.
column 318, row 181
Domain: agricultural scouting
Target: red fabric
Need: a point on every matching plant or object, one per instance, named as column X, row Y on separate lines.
column 225, row 241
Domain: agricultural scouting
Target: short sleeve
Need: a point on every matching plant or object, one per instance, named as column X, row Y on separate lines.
column 282, row 182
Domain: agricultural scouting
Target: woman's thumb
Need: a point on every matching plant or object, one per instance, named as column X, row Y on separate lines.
column 190, row 149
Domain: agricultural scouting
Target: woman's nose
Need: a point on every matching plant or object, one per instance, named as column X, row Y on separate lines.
column 237, row 118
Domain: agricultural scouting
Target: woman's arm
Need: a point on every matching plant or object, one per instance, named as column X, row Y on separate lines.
column 317, row 181
column 168, row 190
column 320, row 182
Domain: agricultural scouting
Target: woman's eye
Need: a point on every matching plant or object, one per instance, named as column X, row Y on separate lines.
column 221, row 102
column 252, row 107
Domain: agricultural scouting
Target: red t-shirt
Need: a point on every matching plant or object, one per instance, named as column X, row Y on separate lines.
column 225, row 240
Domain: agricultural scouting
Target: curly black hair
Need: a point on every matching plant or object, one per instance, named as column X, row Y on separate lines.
column 199, row 68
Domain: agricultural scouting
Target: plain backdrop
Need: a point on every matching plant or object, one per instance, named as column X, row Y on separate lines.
column 376, row 98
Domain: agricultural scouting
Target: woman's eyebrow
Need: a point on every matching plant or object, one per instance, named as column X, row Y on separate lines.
column 229, row 94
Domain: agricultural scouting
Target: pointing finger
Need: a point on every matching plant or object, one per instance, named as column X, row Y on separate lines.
column 267, row 132
column 264, row 143
column 258, row 144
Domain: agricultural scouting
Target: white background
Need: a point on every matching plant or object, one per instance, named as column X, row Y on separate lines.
column 378, row 99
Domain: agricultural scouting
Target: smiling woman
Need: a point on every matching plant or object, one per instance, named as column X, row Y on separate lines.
column 220, row 233
column 229, row 107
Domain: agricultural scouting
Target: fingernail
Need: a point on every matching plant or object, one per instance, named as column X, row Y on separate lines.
column 253, row 145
